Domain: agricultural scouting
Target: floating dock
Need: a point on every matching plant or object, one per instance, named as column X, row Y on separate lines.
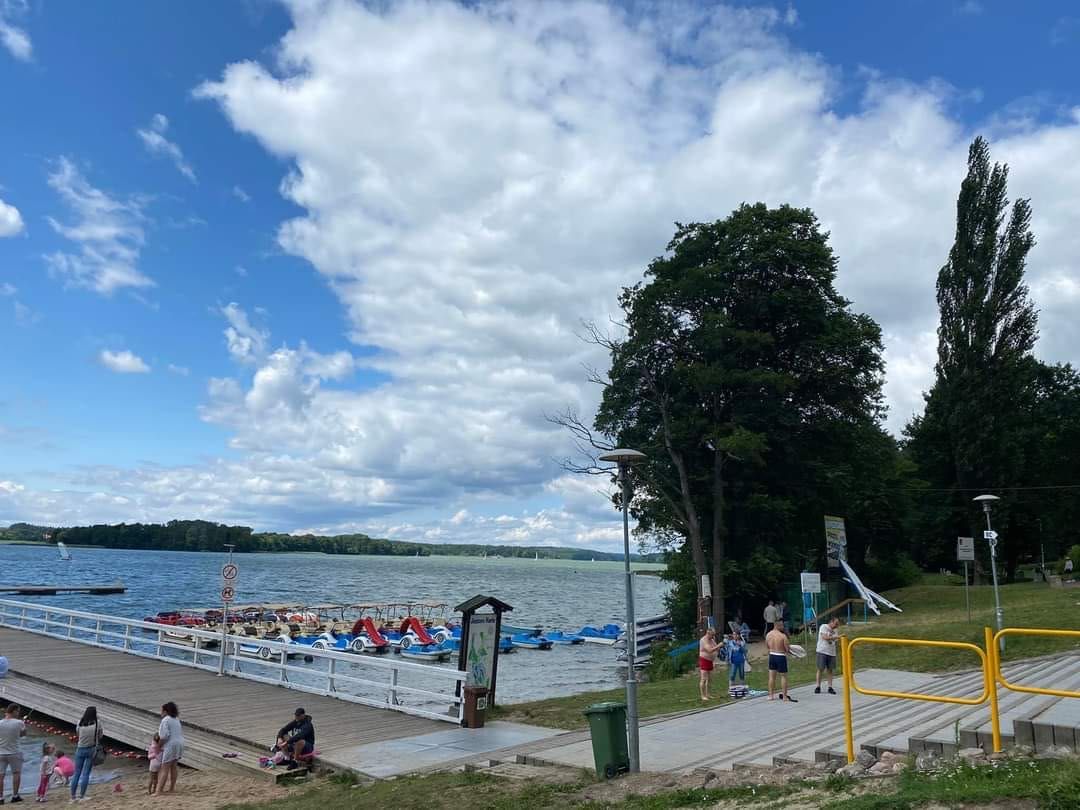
column 53, row 590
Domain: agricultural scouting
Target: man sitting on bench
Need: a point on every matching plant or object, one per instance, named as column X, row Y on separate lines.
column 297, row 739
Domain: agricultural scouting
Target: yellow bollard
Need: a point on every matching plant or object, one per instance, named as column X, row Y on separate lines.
column 992, row 669
column 845, row 662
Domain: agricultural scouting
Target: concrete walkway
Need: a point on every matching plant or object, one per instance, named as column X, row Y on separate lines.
column 753, row 730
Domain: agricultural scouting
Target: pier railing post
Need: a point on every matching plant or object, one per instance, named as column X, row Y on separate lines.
column 97, row 632
column 127, row 637
column 71, row 628
column 282, row 663
column 391, row 696
column 331, row 686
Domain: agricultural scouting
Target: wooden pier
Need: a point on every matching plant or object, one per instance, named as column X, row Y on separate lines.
column 60, row 678
column 60, row 661
column 53, row 590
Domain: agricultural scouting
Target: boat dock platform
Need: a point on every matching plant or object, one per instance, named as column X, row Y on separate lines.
column 53, row 590
column 377, row 715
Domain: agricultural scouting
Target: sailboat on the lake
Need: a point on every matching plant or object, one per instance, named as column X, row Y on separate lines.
column 65, row 555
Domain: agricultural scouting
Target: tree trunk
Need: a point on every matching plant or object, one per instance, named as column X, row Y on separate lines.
column 719, row 538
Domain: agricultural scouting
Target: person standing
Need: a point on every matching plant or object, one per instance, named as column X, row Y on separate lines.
column 736, row 656
column 1068, row 566
column 11, row 728
column 708, row 647
column 89, row 735
column 48, row 762
column 772, row 615
column 826, row 652
column 779, row 647
column 171, row 736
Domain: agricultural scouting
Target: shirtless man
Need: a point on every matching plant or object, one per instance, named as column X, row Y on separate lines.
column 707, row 649
column 779, row 648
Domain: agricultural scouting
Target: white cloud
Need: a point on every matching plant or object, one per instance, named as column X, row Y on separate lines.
column 12, row 37
column 970, row 8
column 240, row 194
column 180, row 371
column 123, row 362
column 24, row 316
column 7, row 289
column 108, row 231
column 246, row 343
column 476, row 180
column 156, row 143
column 11, row 222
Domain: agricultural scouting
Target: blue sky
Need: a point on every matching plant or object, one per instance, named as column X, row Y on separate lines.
column 354, row 244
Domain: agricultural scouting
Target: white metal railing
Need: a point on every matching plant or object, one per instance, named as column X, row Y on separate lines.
column 384, row 682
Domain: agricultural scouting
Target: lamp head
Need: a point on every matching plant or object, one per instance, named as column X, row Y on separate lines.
column 623, row 455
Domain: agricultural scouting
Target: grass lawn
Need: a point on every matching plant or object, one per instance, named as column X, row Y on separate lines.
column 932, row 610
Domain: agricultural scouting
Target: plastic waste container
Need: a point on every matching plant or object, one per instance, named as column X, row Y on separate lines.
column 607, row 726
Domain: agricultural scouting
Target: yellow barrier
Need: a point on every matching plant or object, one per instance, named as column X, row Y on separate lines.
column 989, row 687
column 1024, row 631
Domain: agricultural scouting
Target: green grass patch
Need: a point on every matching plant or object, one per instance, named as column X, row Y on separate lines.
column 1054, row 785
column 934, row 610
column 441, row 791
column 937, row 612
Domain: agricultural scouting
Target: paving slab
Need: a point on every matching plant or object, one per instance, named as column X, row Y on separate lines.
column 720, row 737
column 440, row 748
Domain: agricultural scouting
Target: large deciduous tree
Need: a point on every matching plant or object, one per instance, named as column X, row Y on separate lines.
column 750, row 384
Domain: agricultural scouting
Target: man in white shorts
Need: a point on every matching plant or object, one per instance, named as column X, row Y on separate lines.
column 11, row 728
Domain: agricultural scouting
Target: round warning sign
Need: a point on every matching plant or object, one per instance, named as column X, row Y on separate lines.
column 228, row 593
column 230, row 571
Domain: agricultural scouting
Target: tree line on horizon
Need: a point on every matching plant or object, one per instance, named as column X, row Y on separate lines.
column 203, row 535
column 755, row 392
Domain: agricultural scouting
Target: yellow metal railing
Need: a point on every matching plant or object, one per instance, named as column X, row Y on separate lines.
column 850, row 684
column 992, row 645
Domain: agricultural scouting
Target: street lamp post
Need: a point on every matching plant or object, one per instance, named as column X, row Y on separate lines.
column 624, row 458
column 991, row 536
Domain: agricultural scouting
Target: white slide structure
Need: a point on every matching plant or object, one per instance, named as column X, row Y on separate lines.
column 867, row 595
column 882, row 600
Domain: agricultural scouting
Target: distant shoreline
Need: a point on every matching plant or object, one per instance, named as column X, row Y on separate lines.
column 653, row 569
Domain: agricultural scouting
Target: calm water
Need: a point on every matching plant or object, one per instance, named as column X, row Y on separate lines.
column 550, row 593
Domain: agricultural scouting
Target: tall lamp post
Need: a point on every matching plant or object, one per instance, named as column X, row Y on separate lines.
column 991, row 536
column 624, row 458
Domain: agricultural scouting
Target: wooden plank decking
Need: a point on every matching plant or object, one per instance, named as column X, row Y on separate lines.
column 243, row 711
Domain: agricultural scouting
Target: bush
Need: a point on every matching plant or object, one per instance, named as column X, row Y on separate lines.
column 663, row 667
column 895, row 571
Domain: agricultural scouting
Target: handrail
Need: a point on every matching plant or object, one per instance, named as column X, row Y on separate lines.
column 853, row 601
column 1027, row 631
column 323, row 677
column 850, row 685
column 956, row 645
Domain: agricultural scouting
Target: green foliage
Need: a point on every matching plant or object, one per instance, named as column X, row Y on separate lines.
column 665, row 667
column 755, row 393
column 996, row 418
column 202, row 535
column 897, row 570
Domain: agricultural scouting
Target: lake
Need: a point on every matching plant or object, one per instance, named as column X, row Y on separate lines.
column 555, row 594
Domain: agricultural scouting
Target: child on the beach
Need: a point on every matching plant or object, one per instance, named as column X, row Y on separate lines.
column 64, row 768
column 154, row 753
column 48, row 761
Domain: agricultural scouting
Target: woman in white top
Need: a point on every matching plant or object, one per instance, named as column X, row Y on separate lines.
column 89, row 731
column 172, row 746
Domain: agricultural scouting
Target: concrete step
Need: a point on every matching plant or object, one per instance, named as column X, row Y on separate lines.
column 943, row 739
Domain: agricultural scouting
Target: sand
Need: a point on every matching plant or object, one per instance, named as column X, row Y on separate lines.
column 195, row 790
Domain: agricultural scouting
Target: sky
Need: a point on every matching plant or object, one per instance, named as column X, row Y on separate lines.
column 322, row 266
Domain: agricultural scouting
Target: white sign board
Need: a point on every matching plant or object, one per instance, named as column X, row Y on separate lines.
column 989, row 535
column 965, row 549
column 811, row 583
column 482, row 646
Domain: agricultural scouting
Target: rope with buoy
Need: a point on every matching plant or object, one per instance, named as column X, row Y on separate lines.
column 60, row 732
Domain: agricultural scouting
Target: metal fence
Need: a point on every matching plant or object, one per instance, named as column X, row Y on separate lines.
column 384, row 682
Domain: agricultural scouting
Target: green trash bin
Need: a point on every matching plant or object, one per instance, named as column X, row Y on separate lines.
column 607, row 725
